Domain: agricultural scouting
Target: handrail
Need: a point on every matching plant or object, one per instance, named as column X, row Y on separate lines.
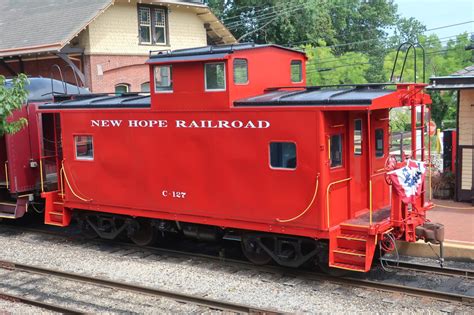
column 6, row 175
column 70, row 187
column 41, row 174
column 327, row 196
column 410, row 46
column 307, row 208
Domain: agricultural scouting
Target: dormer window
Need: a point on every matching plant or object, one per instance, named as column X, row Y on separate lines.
column 163, row 79
column 214, row 76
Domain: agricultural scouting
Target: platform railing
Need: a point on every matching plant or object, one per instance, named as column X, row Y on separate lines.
column 328, row 190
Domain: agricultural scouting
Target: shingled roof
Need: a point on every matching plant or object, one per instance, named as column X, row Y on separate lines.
column 47, row 25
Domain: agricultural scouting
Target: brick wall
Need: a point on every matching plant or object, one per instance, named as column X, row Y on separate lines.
column 104, row 72
column 42, row 67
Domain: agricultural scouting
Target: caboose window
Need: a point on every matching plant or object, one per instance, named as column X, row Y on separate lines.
column 84, row 147
column 163, row 79
column 296, row 71
column 335, row 143
column 283, row 155
column 358, row 137
column 215, row 76
column 379, row 146
column 241, row 71
column 152, row 25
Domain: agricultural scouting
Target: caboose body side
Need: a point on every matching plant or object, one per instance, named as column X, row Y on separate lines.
column 296, row 172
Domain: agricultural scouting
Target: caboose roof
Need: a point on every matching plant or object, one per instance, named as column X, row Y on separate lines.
column 96, row 101
column 318, row 96
column 42, row 89
column 209, row 52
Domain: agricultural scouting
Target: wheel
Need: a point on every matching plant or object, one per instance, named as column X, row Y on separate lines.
column 86, row 230
column 146, row 234
column 253, row 251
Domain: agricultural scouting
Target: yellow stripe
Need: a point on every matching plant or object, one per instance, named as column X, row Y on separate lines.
column 7, row 204
column 346, row 268
column 355, row 225
column 6, row 174
column 352, row 238
column 349, row 253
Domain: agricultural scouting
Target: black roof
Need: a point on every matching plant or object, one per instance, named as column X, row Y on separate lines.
column 209, row 51
column 318, row 96
column 462, row 79
column 42, row 89
column 96, row 101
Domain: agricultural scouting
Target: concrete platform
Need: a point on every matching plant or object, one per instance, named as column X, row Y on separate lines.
column 458, row 220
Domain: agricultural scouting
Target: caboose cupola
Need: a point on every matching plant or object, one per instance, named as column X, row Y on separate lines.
column 212, row 77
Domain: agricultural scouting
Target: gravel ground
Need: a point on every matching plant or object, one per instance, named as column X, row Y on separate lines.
column 7, row 307
column 210, row 279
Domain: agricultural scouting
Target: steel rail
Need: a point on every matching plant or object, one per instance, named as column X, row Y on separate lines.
column 176, row 296
column 448, row 271
column 309, row 275
column 43, row 305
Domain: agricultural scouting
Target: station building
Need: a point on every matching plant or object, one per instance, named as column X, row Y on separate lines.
column 463, row 82
column 101, row 44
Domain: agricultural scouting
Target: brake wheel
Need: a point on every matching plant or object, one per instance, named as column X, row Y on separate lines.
column 390, row 164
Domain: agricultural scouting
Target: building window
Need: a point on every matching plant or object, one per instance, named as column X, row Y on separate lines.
column 358, row 137
column 283, row 155
column 241, row 71
column 145, row 87
column 215, row 76
column 296, row 71
column 163, row 79
column 335, row 144
column 379, row 145
column 122, row 88
column 152, row 25
column 84, row 147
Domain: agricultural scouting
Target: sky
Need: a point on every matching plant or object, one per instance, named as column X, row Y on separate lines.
column 436, row 13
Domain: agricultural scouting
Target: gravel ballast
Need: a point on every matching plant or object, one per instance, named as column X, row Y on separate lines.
column 197, row 276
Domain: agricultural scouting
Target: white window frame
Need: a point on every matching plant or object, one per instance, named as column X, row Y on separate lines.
column 84, row 158
column 149, row 25
column 153, row 24
column 291, row 169
column 170, row 86
column 205, row 77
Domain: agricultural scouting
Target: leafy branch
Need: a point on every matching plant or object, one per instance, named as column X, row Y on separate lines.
column 13, row 94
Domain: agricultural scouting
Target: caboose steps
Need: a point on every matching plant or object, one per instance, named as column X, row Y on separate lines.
column 351, row 248
column 55, row 213
column 14, row 210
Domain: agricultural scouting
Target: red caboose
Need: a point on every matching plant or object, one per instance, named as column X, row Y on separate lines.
column 19, row 153
column 232, row 144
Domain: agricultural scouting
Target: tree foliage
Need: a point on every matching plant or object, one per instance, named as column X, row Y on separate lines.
column 13, row 94
column 348, row 41
column 307, row 21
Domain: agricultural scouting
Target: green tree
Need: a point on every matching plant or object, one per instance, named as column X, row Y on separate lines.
column 308, row 21
column 13, row 94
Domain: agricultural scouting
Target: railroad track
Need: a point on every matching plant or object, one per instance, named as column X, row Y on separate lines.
column 315, row 276
column 176, row 296
column 39, row 304
column 448, row 271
